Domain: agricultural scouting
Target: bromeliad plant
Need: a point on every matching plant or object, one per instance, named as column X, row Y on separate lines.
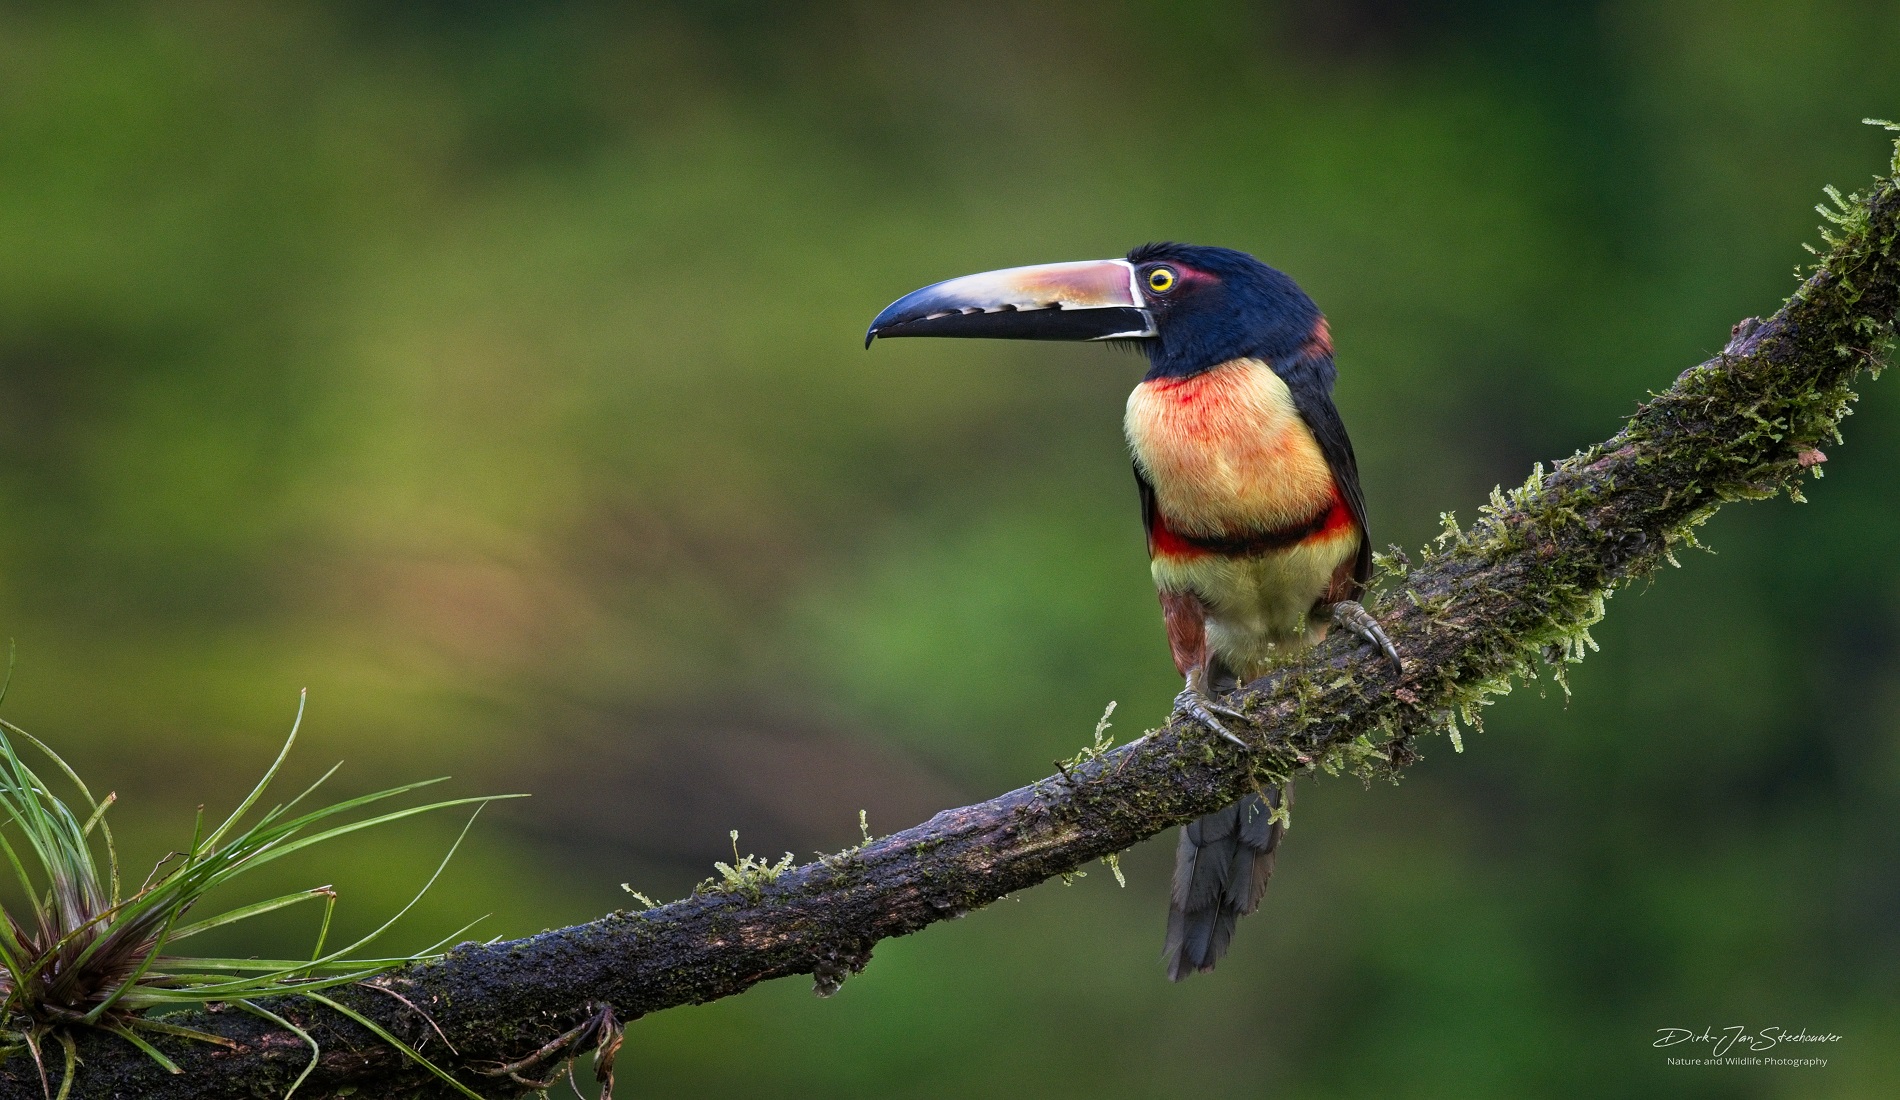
column 80, row 952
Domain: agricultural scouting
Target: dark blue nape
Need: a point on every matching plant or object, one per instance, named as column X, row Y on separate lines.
column 1251, row 310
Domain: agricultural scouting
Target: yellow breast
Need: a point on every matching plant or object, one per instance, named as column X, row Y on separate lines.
column 1226, row 450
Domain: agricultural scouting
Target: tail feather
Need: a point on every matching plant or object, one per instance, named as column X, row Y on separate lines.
column 1221, row 868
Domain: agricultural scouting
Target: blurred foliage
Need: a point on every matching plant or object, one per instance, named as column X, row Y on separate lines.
column 493, row 371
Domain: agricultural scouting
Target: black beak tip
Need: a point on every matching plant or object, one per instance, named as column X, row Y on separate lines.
column 870, row 334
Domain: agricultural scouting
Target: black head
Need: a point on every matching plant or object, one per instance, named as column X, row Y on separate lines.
column 1211, row 305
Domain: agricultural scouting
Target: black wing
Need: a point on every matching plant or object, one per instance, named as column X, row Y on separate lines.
column 1147, row 492
column 1310, row 379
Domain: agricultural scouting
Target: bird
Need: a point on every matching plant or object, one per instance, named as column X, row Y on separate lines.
column 1249, row 492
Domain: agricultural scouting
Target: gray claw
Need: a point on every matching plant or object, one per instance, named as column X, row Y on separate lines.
column 1356, row 618
column 1203, row 710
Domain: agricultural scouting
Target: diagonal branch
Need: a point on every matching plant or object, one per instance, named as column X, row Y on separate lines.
column 1515, row 593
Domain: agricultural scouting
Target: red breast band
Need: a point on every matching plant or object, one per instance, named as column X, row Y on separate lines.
column 1165, row 541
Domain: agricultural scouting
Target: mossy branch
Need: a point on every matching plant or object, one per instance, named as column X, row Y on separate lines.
column 1514, row 593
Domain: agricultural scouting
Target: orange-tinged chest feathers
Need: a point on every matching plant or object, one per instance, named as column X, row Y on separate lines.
column 1227, row 451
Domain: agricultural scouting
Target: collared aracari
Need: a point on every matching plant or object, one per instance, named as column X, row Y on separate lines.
column 1249, row 493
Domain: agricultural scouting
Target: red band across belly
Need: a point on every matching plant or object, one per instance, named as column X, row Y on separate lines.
column 1164, row 541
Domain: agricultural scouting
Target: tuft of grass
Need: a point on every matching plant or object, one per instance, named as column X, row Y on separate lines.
column 82, row 952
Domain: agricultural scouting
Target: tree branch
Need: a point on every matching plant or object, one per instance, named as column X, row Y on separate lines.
column 1514, row 594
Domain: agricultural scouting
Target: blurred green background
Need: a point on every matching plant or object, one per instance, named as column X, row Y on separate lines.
column 493, row 371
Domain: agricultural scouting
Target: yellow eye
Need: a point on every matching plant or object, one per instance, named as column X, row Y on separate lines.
column 1160, row 280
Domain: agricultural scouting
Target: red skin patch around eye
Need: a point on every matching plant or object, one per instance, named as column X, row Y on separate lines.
column 1185, row 279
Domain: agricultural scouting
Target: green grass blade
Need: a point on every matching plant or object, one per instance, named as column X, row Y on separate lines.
column 286, row 807
column 438, row 948
column 99, row 812
column 112, row 857
column 153, row 1052
column 164, row 1028
column 72, row 1063
column 372, row 822
column 178, row 966
column 222, row 987
column 98, row 820
column 174, row 965
column 316, row 1052
column 33, row 796
column 439, row 868
column 58, row 761
column 20, row 800
column 39, row 1059
column 246, row 912
column 383, row 1033
column 12, row 954
column 270, row 773
column 323, row 930
column 255, row 843
column 19, row 869
column 298, row 823
column 97, row 806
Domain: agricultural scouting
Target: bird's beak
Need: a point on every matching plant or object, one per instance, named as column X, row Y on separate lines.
column 1085, row 300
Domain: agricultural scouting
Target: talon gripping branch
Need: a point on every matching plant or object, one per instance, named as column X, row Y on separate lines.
column 1249, row 492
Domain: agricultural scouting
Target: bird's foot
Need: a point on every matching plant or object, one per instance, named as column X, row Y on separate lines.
column 1356, row 618
column 1209, row 713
